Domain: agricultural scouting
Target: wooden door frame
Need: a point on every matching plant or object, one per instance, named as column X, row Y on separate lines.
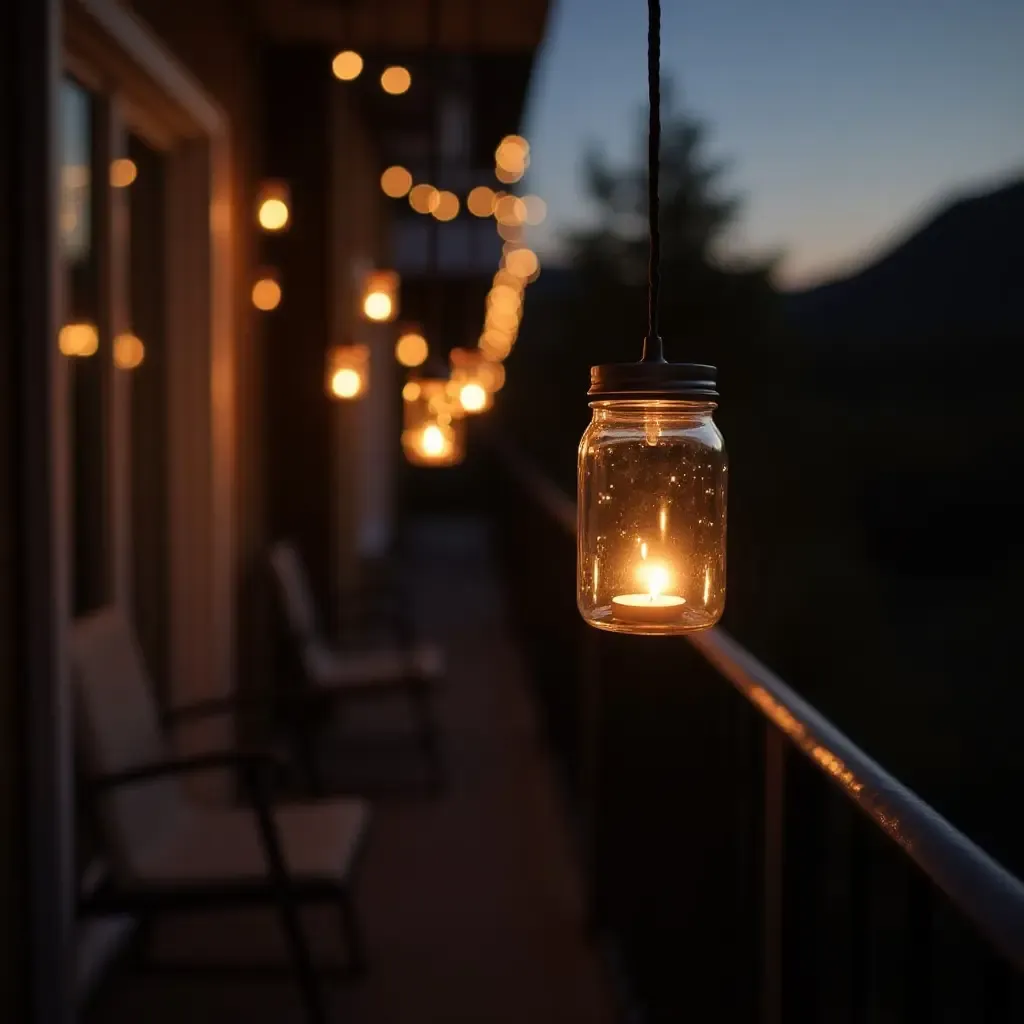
column 109, row 48
column 103, row 44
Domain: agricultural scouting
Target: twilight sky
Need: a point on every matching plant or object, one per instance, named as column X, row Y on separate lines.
column 844, row 120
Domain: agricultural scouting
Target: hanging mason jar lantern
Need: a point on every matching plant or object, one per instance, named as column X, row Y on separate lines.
column 473, row 380
column 379, row 298
column 348, row 371
column 434, row 432
column 652, row 472
column 652, row 500
column 273, row 206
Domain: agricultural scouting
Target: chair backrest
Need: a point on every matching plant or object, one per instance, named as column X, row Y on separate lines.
column 295, row 592
column 119, row 728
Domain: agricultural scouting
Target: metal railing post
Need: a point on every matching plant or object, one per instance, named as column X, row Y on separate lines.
column 774, row 840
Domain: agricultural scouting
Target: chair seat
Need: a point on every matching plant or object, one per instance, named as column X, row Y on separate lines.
column 319, row 840
column 376, row 668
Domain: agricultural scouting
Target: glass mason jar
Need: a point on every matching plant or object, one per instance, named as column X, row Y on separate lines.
column 651, row 516
column 433, row 433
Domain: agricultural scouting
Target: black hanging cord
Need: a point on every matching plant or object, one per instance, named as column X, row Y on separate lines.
column 436, row 312
column 653, row 350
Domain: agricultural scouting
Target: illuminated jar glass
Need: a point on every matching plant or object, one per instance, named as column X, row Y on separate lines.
column 472, row 380
column 347, row 373
column 433, row 432
column 652, row 501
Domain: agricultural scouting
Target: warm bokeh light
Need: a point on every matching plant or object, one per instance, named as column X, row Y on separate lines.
column 347, row 65
column 123, row 172
column 272, row 205
column 492, row 374
column 433, row 428
column 433, row 440
column 480, row 201
column 504, row 298
column 80, row 339
column 522, row 262
column 348, row 371
column 536, row 209
column 503, row 319
column 473, row 397
column 273, row 215
column 472, row 379
column 346, row 383
column 395, row 80
column 380, row 295
column 494, row 345
column 510, row 210
column 512, row 154
column 377, row 306
column 424, row 198
column 509, row 233
column 266, row 294
column 411, row 349
column 447, row 207
column 129, row 351
column 396, row 182
column 504, row 277
column 507, row 176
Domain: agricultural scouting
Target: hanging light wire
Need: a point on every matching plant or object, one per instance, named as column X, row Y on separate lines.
column 653, row 349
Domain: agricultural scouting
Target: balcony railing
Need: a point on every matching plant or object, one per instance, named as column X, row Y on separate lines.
column 748, row 861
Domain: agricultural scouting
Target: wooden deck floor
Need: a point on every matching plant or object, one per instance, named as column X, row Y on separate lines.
column 471, row 903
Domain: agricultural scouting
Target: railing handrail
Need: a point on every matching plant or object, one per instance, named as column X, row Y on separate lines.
column 981, row 888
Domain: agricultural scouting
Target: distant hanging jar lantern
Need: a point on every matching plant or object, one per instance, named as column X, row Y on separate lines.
column 348, row 371
column 379, row 299
column 652, row 473
column 273, row 205
column 434, row 432
column 474, row 379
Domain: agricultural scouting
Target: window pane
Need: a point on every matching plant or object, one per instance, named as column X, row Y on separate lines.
column 86, row 351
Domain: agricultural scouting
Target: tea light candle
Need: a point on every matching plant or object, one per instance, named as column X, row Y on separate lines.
column 651, row 608
column 654, row 607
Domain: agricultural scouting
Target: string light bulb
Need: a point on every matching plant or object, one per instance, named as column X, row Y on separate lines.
column 411, row 349
column 129, row 351
column 395, row 80
column 123, row 172
column 266, row 290
column 78, row 339
column 396, row 182
column 347, row 66
column 273, row 206
column 424, row 198
column 480, row 201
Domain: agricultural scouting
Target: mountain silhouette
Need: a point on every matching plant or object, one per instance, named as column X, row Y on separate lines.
column 962, row 273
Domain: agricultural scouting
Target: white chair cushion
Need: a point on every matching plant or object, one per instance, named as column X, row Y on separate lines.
column 319, row 841
column 381, row 667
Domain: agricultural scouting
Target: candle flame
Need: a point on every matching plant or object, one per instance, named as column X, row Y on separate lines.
column 433, row 440
column 656, row 578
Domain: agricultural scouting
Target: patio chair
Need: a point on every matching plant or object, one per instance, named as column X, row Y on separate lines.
column 169, row 853
column 369, row 666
